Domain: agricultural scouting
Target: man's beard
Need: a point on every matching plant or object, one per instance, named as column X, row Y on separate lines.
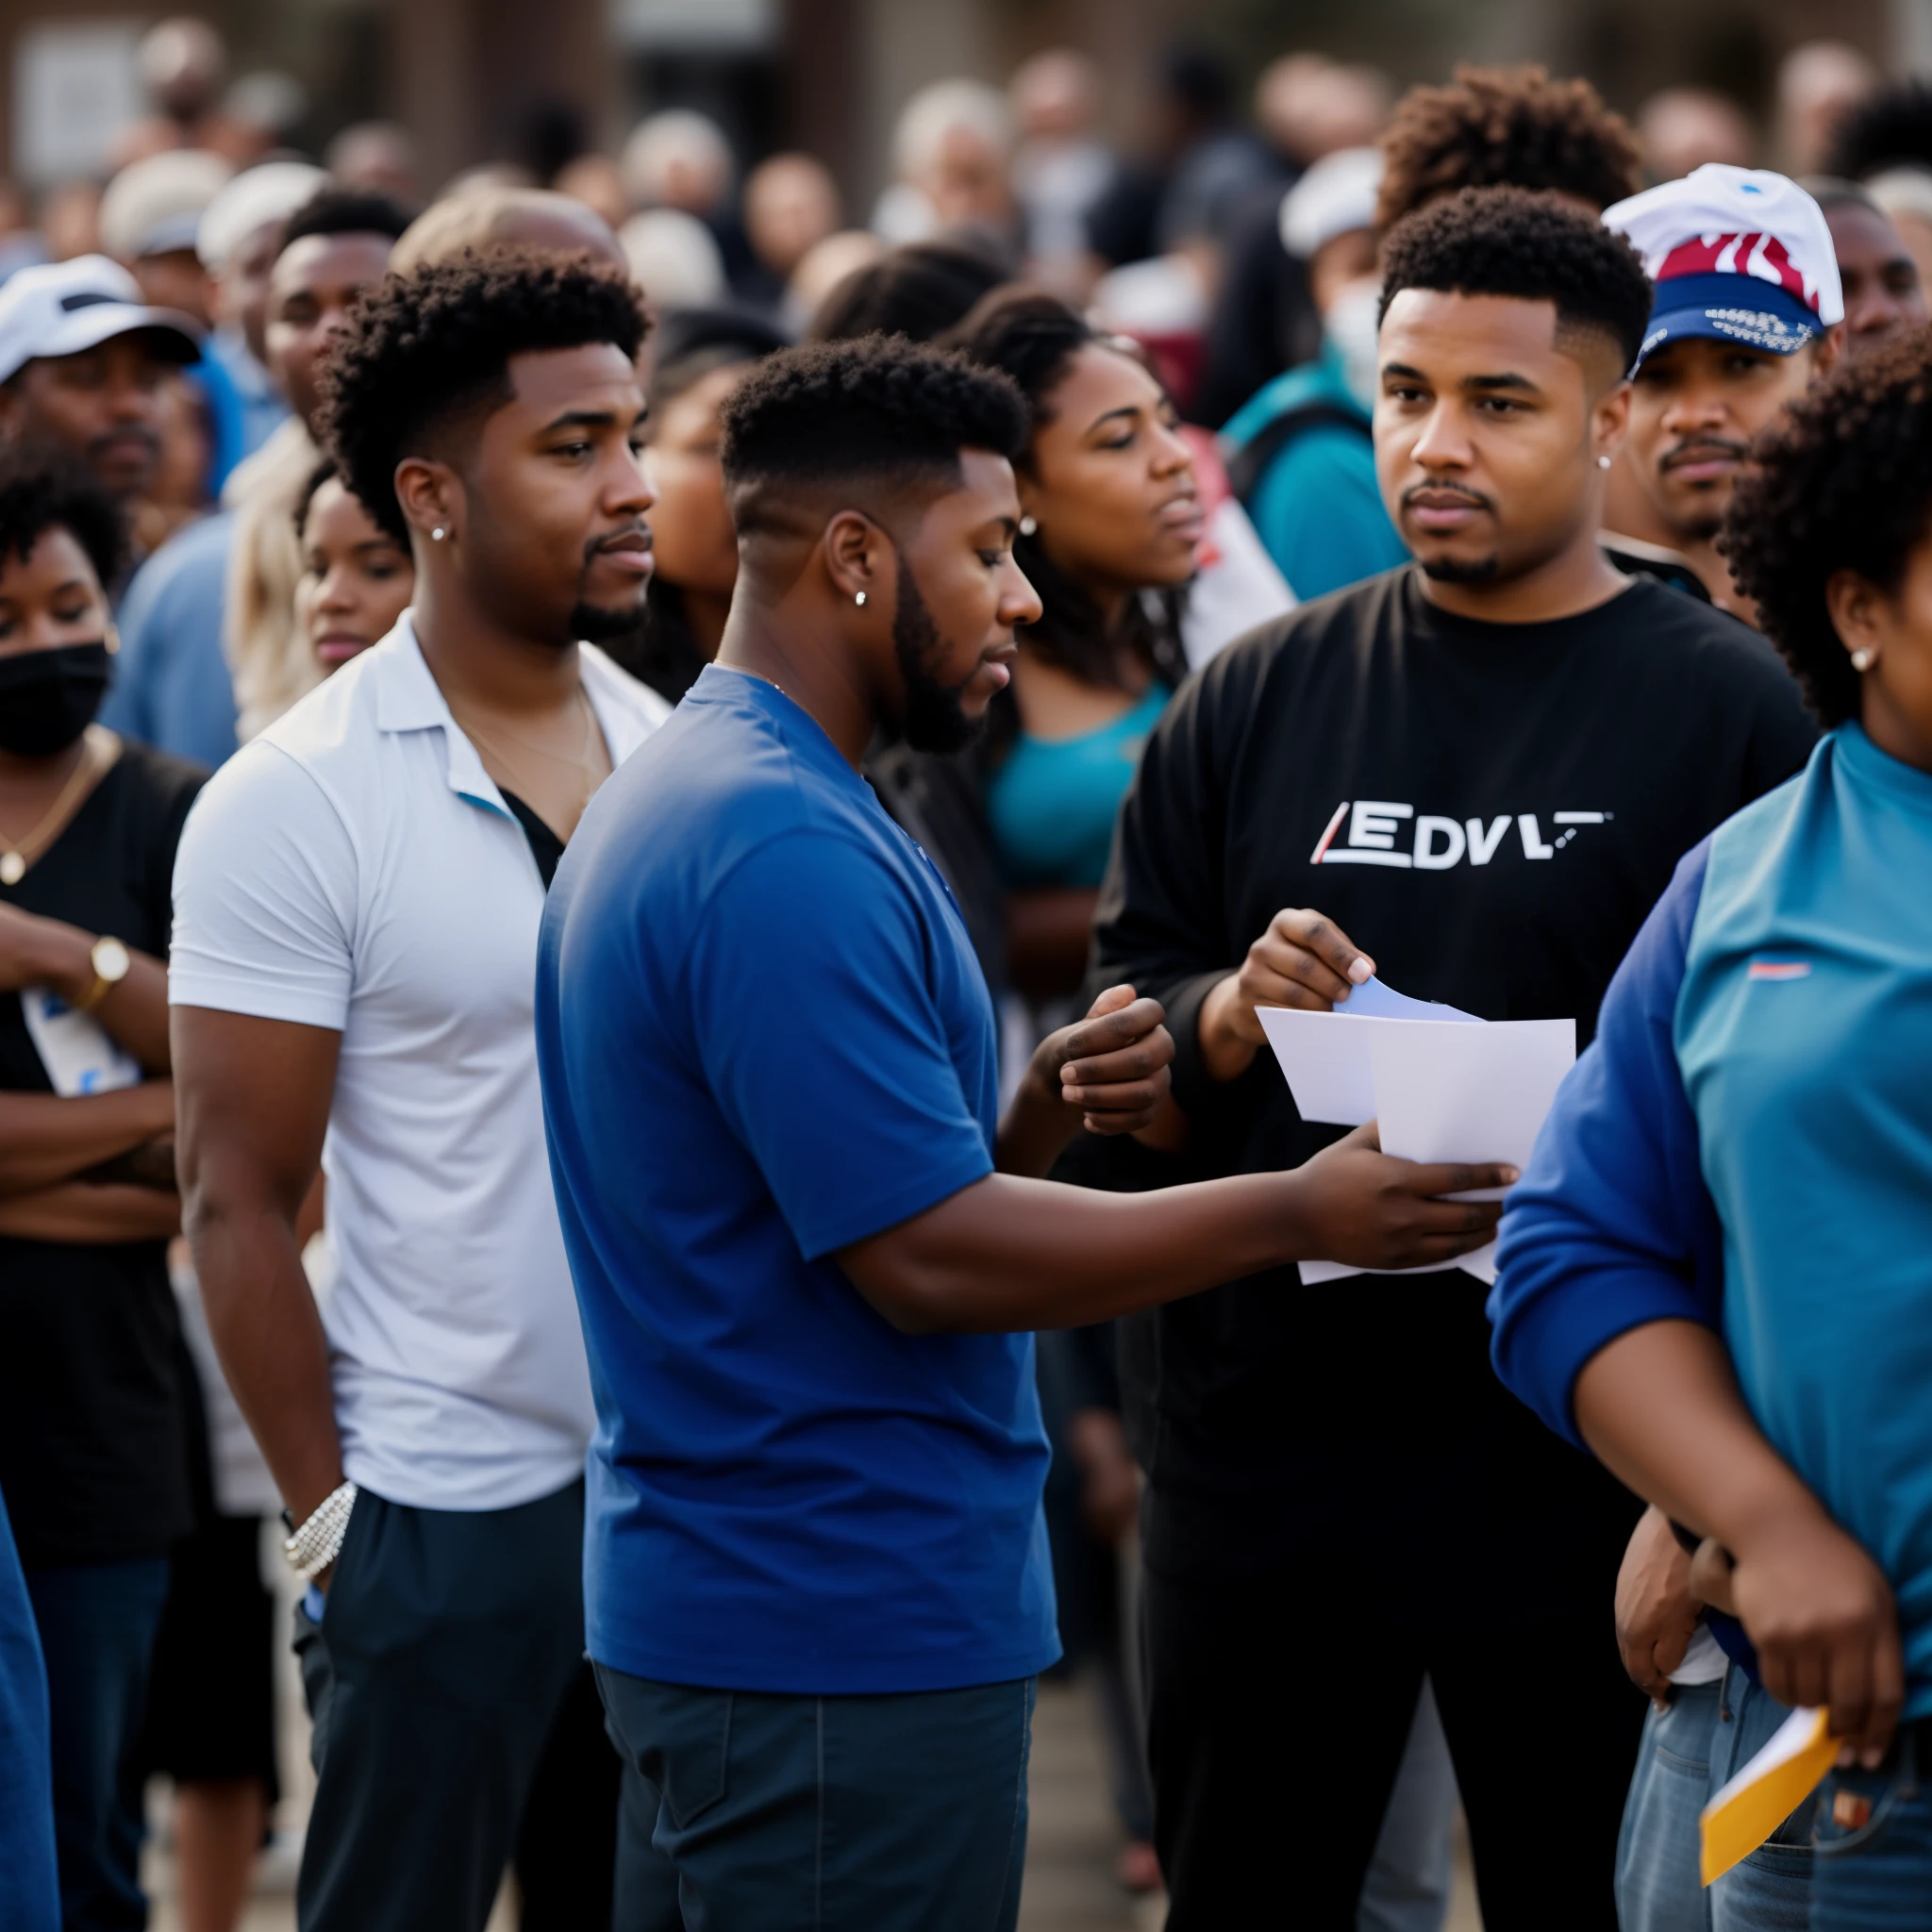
column 1459, row 570
column 598, row 624
column 935, row 720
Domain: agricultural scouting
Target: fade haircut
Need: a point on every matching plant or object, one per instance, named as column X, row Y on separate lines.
column 1504, row 127
column 42, row 490
column 425, row 357
column 1842, row 481
column 880, row 410
column 1534, row 247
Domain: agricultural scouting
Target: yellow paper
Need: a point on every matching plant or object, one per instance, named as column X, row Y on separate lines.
column 1767, row 1790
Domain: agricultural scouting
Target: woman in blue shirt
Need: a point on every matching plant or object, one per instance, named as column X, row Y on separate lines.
column 1716, row 1273
column 1111, row 522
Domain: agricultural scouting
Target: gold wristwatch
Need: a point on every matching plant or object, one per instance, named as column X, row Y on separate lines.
column 110, row 961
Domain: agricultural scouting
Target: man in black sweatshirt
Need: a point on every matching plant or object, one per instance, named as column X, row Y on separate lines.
column 1476, row 773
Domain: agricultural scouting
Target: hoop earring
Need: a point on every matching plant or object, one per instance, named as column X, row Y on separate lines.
column 860, row 600
column 1863, row 660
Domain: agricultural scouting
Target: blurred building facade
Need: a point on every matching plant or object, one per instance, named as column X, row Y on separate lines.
column 482, row 80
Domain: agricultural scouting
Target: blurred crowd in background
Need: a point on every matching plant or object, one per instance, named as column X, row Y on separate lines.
column 1177, row 242
column 1235, row 246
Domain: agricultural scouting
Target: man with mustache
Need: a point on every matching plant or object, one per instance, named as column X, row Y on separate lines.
column 1473, row 775
column 356, row 934
column 1748, row 312
column 82, row 363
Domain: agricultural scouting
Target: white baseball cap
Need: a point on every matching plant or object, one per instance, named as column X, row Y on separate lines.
column 261, row 196
column 63, row 307
column 154, row 206
column 1335, row 197
column 1737, row 254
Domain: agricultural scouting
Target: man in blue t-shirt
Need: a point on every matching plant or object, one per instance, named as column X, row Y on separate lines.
column 807, row 1252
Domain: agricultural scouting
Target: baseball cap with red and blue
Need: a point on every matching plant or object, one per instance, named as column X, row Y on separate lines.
column 1737, row 254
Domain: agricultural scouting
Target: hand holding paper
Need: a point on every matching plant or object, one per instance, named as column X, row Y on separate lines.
column 1384, row 1214
column 1443, row 1088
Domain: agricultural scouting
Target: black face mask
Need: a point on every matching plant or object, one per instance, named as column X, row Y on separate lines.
column 48, row 698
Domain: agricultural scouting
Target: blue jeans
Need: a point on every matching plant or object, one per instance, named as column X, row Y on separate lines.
column 29, row 1888
column 1408, row 1889
column 847, row 1814
column 1689, row 1752
column 1873, row 1845
column 97, row 1624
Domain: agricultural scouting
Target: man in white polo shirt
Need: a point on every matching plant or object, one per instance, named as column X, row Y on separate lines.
column 356, row 906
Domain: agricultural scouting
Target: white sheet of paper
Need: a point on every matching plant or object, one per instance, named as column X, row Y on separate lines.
column 1441, row 1088
column 79, row 1052
column 1447, row 1093
column 1327, row 1064
column 1328, row 1067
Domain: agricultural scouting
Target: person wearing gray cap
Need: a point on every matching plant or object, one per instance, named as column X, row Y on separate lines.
column 82, row 360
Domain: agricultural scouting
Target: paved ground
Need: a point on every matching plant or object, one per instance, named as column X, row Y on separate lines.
column 1070, row 1859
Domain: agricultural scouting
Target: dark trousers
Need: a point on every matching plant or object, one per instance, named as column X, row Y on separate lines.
column 842, row 1814
column 97, row 1624
column 1277, row 1717
column 436, row 1681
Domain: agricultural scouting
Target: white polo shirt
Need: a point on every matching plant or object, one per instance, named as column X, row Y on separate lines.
column 355, row 868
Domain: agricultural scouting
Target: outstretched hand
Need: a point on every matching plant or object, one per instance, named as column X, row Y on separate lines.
column 1372, row 1210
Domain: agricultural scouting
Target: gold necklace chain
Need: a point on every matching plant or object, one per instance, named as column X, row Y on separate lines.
column 582, row 760
column 582, row 763
column 16, row 855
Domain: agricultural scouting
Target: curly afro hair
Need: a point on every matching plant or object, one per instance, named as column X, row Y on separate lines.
column 1843, row 481
column 1891, row 129
column 879, row 409
column 1535, row 248
column 42, row 489
column 425, row 357
column 1504, row 127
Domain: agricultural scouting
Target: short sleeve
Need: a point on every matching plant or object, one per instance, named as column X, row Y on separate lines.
column 824, row 1038
column 264, row 896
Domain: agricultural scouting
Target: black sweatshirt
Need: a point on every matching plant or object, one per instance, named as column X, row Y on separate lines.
column 1488, row 811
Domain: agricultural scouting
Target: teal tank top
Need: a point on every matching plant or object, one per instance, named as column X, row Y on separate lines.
column 1052, row 804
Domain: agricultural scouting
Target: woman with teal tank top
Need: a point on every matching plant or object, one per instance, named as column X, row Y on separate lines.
column 1717, row 1270
column 1111, row 523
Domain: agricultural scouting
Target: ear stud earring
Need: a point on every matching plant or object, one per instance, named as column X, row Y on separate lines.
column 435, row 536
column 1602, row 462
column 1028, row 526
column 1863, row 660
column 860, row 600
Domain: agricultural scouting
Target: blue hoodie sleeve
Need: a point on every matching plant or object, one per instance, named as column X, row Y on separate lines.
column 1611, row 1226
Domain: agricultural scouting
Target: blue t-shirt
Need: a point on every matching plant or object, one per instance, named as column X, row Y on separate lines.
column 171, row 688
column 763, row 1036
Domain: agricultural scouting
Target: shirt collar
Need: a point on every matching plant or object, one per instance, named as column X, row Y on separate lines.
column 1908, row 785
column 407, row 698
